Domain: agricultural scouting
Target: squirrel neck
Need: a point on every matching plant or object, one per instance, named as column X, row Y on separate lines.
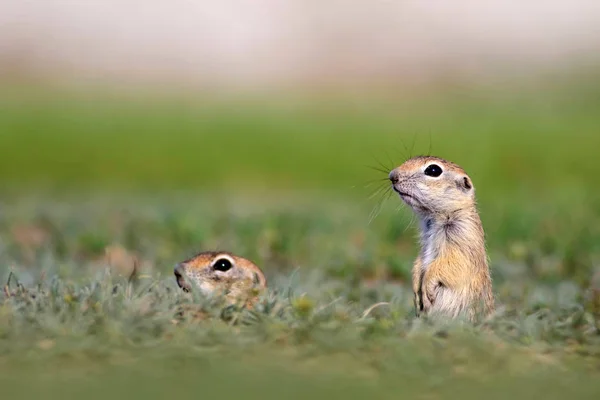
column 459, row 231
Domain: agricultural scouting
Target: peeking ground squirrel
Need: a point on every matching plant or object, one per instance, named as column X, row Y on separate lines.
column 450, row 276
column 214, row 273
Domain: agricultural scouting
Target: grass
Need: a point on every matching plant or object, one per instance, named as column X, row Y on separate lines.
column 338, row 318
column 92, row 183
column 508, row 141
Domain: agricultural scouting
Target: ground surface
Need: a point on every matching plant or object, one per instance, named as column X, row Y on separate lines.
column 92, row 184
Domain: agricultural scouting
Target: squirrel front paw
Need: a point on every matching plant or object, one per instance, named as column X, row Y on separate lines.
column 427, row 302
column 417, row 303
column 430, row 295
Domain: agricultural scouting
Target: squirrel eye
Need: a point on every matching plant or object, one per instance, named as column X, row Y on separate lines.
column 433, row 170
column 222, row 264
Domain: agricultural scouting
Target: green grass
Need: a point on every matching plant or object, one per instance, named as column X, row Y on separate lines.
column 509, row 141
column 284, row 183
column 74, row 324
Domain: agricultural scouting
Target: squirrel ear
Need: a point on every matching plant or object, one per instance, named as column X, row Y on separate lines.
column 464, row 184
column 256, row 278
column 467, row 183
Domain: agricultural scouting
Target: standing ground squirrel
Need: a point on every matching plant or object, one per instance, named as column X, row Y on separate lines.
column 451, row 276
column 222, row 273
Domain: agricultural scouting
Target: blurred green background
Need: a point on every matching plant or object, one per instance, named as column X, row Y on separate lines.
column 291, row 182
column 154, row 134
column 510, row 140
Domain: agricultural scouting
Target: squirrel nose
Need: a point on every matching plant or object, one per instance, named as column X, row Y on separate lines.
column 394, row 176
column 179, row 272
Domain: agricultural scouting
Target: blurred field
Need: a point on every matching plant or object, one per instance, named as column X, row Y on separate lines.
column 286, row 182
column 532, row 139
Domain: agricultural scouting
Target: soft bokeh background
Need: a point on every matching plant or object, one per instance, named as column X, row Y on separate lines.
column 296, row 94
column 157, row 129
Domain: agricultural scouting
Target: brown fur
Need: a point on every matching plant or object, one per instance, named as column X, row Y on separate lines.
column 240, row 284
column 451, row 275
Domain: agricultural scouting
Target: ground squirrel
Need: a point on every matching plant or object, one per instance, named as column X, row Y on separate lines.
column 238, row 279
column 451, row 276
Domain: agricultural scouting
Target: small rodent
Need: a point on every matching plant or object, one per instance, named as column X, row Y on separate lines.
column 220, row 272
column 451, row 276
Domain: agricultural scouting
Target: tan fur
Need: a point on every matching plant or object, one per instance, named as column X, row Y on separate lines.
column 240, row 284
column 451, row 276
